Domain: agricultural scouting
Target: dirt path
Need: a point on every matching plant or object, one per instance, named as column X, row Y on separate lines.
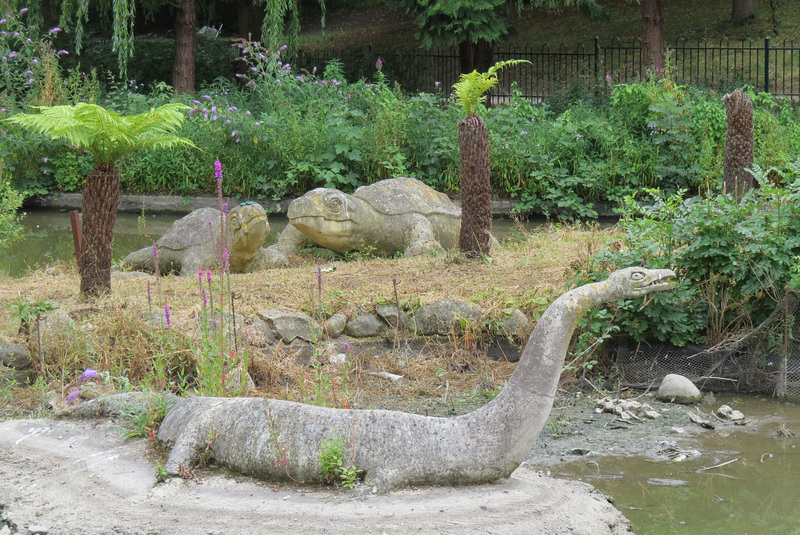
column 74, row 476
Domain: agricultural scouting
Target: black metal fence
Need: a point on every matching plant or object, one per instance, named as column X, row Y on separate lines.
column 768, row 67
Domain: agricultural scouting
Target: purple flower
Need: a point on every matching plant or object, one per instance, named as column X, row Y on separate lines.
column 155, row 251
column 62, row 53
column 195, row 102
column 379, row 64
column 206, row 97
column 200, row 275
column 73, row 396
column 88, row 373
column 167, row 315
column 23, row 10
column 233, row 108
column 218, row 170
column 345, row 346
column 12, row 54
column 257, row 123
column 208, row 275
column 55, row 30
column 213, row 108
column 608, row 78
column 247, row 112
column 233, row 134
column 214, row 117
column 2, row 21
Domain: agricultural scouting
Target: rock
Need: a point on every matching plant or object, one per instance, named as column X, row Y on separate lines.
column 390, row 316
column 516, row 327
column 258, row 333
column 34, row 529
column 440, row 317
column 365, row 326
column 666, row 482
column 726, row 412
column 191, row 242
column 678, row 389
column 301, row 352
column 289, row 325
column 653, row 415
column 5, row 530
column 15, row 356
column 55, row 323
column 334, row 326
column 20, row 377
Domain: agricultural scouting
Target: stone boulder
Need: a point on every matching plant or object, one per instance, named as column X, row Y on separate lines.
column 678, row 389
column 289, row 325
column 365, row 326
column 440, row 317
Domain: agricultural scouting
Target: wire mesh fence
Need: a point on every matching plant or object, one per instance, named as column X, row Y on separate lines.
column 766, row 360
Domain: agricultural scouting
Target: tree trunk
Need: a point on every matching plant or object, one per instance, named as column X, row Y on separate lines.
column 743, row 12
column 476, row 195
column 738, row 154
column 475, row 56
column 250, row 17
column 185, row 30
column 653, row 50
column 100, row 196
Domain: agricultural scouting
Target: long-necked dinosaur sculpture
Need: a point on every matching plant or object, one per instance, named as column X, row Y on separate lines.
column 279, row 439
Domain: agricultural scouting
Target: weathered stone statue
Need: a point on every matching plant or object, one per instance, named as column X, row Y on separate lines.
column 191, row 242
column 397, row 214
column 277, row 439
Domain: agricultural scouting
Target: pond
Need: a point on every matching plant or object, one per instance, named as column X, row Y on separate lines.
column 756, row 492
column 47, row 237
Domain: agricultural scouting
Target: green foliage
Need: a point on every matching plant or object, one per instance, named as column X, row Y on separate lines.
column 733, row 259
column 457, row 21
column 332, row 454
column 471, row 89
column 10, row 202
column 142, row 419
column 107, row 135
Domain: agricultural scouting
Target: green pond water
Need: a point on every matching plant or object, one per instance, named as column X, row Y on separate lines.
column 758, row 493
column 47, row 237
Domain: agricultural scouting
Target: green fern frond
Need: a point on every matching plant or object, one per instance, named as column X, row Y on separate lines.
column 471, row 89
column 107, row 135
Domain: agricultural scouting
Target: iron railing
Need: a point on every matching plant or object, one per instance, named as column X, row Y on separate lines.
column 772, row 68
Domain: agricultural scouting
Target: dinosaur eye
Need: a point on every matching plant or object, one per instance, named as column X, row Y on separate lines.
column 335, row 204
column 637, row 275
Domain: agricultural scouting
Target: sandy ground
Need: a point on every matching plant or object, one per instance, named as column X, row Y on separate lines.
column 80, row 477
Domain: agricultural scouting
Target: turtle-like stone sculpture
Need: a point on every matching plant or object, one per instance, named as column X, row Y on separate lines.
column 191, row 242
column 397, row 214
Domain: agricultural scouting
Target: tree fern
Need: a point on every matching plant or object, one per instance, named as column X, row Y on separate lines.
column 107, row 135
column 471, row 89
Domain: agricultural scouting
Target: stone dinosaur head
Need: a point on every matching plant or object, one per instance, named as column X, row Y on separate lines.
column 635, row 282
column 328, row 217
column 249, row 227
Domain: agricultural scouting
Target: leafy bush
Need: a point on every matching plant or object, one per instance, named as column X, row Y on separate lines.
column 733, row 259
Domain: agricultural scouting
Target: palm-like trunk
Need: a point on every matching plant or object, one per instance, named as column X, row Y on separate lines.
column 476, row 195
column 738, row 154
column 100, row 196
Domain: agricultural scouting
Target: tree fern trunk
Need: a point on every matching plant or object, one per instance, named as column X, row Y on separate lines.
column 100, row 198
column 476, row 196
column 738, row 154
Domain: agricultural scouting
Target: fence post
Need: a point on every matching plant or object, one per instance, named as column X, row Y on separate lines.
column 766, row 64
column 596, row 56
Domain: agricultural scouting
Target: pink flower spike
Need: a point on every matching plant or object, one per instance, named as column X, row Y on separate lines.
column 73, row 396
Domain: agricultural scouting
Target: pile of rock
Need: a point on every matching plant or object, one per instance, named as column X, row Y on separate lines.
column 627, row 409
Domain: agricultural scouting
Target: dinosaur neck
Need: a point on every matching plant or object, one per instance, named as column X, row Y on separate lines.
column 527, row 397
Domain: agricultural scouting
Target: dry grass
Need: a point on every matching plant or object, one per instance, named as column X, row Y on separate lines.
column 111, row 335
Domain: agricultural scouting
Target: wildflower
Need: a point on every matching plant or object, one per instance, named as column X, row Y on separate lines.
column 379, row 64
column 283, row 48
column 12, row 54
column 608, row 78
column 167, row 315
column 29, row 73
column 345, row 346
column 30, row 80
column 206, row 97
column 195, row 102
column 44, row 159
column 2, row 21
column 218, row 170
column 88, row 373
column 55, row 30
column 247, row 112
column 233, row 108
column 228, row 121
column 257, row 123
column 437, row 84
column 23, row 10
column 213, row 108
column 73, row 396
column 233, row 134
column 314, row 70
column 200, row 275
column 214, row 117
column 63, row 53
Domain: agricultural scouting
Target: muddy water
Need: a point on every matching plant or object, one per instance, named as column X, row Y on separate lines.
column 48, row 239
column 757, row 492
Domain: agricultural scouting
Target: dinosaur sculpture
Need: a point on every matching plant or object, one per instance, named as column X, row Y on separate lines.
column 389, row 216
column 276, row 439
column 191, row 242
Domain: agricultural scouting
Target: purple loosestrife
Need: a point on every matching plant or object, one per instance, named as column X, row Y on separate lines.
column 73, row 396
column 155, row 259
column 167, row 315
